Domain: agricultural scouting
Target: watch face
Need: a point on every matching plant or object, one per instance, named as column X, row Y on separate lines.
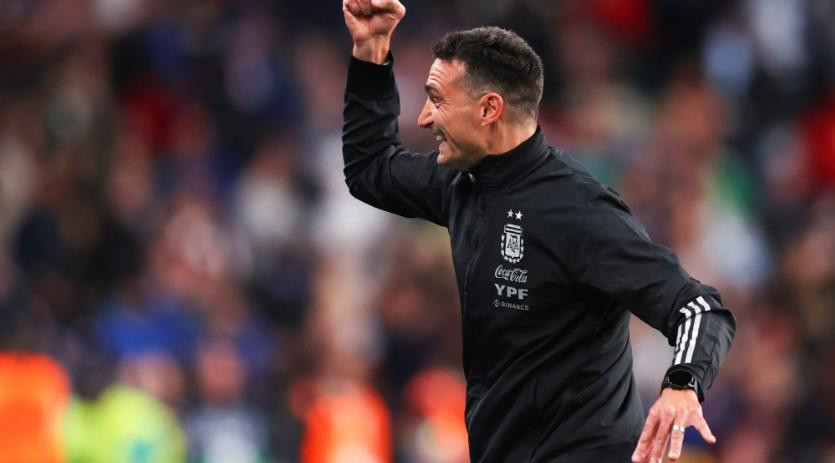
column 681, row 378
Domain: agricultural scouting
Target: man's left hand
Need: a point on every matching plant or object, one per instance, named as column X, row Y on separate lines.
column 671, row 414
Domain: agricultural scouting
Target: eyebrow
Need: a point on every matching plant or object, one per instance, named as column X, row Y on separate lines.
column 431, row 91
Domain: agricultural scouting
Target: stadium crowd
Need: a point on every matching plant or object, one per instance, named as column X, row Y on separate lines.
column 184, row 277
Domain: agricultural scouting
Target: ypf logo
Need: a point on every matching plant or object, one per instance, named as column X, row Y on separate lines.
column 513, row 246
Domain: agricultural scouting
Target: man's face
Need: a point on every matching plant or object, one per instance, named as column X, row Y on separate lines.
column 453, row 115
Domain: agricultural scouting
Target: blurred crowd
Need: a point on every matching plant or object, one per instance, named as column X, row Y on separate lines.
column 184, row 277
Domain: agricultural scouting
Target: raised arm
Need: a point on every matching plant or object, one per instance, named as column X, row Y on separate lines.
column 378, row 170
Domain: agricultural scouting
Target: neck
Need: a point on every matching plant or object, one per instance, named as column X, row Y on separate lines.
column 505, row 137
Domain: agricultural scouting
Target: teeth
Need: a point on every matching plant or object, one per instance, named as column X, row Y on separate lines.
column 439, row 137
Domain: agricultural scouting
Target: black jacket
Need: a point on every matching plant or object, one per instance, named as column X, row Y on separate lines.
column 549, row 264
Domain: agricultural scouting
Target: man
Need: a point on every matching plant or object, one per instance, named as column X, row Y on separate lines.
column 548, row 261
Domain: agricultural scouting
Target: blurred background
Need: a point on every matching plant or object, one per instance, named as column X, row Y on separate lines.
column 184, row 277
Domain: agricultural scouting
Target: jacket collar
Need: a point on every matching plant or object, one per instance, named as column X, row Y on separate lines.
column 500, row 170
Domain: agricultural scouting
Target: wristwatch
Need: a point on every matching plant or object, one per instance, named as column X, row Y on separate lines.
column 681, row 380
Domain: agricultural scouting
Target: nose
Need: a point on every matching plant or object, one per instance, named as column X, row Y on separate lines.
column 425, row 116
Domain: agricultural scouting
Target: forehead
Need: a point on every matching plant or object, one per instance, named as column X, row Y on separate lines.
column 443, row 75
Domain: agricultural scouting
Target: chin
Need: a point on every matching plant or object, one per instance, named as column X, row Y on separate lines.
column 453, row 160
column 445, row 159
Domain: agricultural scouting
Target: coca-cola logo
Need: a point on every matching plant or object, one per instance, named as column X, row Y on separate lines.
column 516, row 275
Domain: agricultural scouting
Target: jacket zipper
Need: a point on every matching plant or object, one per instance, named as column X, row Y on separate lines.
column 478, row 229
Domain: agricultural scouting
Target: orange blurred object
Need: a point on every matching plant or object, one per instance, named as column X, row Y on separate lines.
column 34, row 391
column 347, row 423
column 437, row 398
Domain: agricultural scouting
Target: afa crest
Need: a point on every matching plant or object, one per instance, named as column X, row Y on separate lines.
column 513, row 246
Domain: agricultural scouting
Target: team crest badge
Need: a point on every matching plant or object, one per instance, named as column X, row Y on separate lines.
column 513, row 246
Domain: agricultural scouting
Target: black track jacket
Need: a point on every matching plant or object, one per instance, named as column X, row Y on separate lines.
column 549, row 264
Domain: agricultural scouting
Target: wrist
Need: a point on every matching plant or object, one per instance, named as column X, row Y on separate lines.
column 374, row 50
column 669, row 394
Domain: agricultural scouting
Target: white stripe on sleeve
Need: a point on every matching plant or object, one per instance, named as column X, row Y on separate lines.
column 696, row 322
column 702, row 302
column 678, row 341
column 681, row 347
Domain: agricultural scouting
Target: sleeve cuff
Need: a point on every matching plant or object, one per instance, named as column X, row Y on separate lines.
column 370, row 79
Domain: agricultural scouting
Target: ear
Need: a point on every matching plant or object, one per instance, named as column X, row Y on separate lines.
column 491, row 106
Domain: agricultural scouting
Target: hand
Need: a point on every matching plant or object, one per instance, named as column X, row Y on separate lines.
column 371, row 24
column 674, row 407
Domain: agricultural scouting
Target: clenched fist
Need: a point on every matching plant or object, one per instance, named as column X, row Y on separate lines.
column 371, row 24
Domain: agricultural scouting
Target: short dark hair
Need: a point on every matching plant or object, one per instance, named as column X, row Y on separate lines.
column 500, row 60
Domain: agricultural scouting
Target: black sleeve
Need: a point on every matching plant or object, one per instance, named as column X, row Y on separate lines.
column 378, row 170
column 613, row 252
